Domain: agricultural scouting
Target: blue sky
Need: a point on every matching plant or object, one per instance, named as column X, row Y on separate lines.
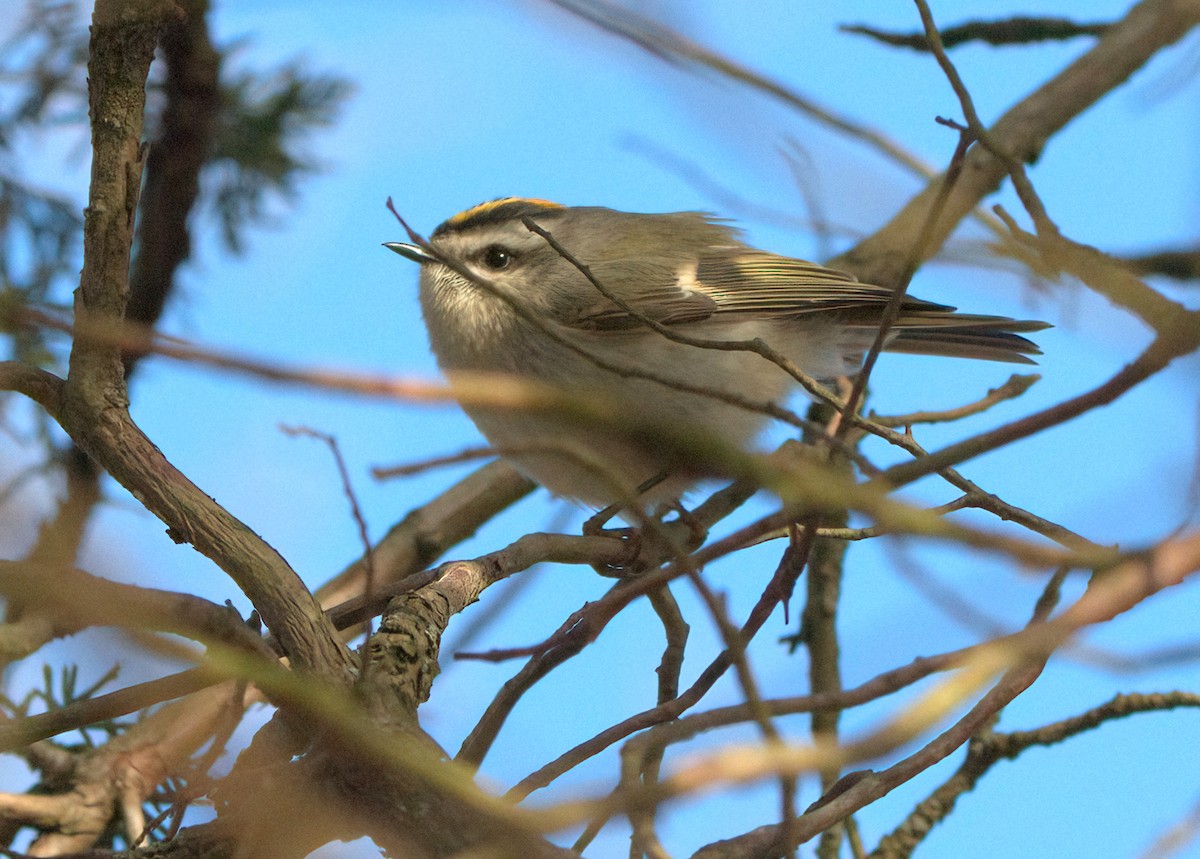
column 460, row 102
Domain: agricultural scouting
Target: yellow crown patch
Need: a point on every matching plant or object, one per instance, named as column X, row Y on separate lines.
column 490, row 207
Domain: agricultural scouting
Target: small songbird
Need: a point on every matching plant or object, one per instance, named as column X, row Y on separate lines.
column 498, row 297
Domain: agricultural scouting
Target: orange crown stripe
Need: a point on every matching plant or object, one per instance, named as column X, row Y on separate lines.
column 483, row 208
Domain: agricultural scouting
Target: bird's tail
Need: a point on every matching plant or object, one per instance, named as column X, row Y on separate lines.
column 964, row 335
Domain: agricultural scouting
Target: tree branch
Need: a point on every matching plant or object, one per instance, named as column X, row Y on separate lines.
column 1022, row 132
column 95, row 400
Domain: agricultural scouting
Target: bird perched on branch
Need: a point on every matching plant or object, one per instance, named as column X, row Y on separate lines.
column 621, row 310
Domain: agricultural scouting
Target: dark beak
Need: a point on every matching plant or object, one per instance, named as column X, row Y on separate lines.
column 413, row 252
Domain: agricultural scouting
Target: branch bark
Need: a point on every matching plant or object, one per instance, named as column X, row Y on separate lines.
column 95, row 399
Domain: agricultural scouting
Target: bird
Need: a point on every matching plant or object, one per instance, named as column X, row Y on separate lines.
column 594, row 302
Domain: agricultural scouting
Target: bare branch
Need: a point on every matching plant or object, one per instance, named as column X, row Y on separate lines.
column 989, row 748
column 1015, row 386
column 1181, row 265
column 1111, row 593
column 95, row 399
column 43, row 388
column 75, row 600
column 1018, row 30
column 1022, row 132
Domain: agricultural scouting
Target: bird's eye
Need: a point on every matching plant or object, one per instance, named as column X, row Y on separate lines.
column 497, row 257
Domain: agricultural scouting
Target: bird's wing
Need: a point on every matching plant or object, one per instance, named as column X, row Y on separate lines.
column 741, row 282
column 662, row 291
column 735, row 281
column 771, row 286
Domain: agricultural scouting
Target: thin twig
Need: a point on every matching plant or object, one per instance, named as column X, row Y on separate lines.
column 567, row 642
column 1016, row 385
column 471, row 454
column 891, row 311
column 369, row 580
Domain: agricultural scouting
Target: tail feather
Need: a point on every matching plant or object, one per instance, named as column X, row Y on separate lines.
column 963, row 335
column 986, row 338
